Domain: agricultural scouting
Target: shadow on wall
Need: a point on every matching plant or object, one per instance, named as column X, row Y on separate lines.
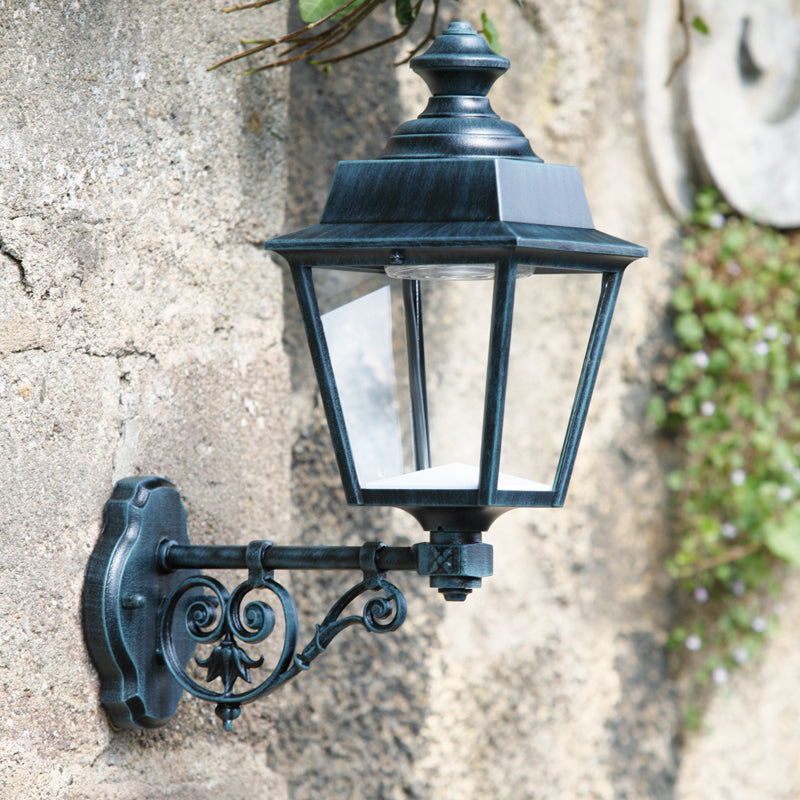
column 356, row 722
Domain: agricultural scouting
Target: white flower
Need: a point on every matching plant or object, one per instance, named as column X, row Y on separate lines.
column 738, row 477
column 738, row 588
column 720, row 675
column 701, row 359
column 707, row 408
column 784, row 493
column 716, row 220
column 693, row 642
column 741, row 654
column 701, row 594
column 758, row 624
column 770, row 332
column 750, row 322
column 728, row 530
column 761, row 348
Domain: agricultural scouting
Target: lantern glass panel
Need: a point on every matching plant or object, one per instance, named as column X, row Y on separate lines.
column 553, row 317
column 409, row 361
column 457, row 316
column 359, row 319
column 415, row 420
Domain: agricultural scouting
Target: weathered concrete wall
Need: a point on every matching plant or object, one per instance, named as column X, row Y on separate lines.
column 140, row 332
column 554, row 682
column 550, row 681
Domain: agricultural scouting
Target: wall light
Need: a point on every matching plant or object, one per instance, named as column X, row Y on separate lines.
column 458, row 194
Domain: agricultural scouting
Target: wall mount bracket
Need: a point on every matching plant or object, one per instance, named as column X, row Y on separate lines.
column 155, row 625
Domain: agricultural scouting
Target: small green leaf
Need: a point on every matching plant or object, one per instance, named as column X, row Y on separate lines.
column 783, row 538
column 683, row 299
column 404, row 11
column 490, row 32
column 700, row 25
column 675, row 481
column 657, row 411
column 689, row 329
column 314, row 10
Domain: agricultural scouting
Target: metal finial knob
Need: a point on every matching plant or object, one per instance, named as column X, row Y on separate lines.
column 460, row 62
column 460, row 68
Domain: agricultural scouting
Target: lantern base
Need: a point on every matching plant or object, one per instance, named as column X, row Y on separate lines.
column 456, row 562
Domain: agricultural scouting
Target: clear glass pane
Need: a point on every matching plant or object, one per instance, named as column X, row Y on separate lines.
column 387, row 406
column 457, row 325
column 553, row 317
column 357, row 317
column 456, row 317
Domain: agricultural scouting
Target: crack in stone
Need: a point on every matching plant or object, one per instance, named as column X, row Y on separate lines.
column 14, row 256
column 120, row 352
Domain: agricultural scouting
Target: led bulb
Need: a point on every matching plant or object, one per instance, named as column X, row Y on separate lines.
column 450, row 272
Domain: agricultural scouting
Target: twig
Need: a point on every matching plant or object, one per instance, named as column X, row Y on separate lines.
column 728, row 557
column 429, row 36
column 311, row 40
column 257, row 4
column 267, row 43
column 687, row 43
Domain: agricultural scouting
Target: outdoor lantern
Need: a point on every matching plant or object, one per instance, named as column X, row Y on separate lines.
column 457, row 195
column 458, row 218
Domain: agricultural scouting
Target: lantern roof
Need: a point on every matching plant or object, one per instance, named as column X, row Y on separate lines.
column 457, row 178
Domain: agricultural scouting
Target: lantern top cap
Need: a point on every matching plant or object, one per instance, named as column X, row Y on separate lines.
column 459, row 68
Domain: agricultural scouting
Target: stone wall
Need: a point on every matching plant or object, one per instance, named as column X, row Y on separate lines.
column 550, row 681
column 141, row 333
column 143, row 330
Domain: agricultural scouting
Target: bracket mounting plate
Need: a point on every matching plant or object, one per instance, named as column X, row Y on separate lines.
column 124, row 587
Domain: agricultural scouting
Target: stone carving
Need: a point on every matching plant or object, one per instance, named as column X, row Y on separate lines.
column 731, row 115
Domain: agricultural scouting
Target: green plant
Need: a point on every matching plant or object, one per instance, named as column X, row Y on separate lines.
column 330, row 22
column 731, row 397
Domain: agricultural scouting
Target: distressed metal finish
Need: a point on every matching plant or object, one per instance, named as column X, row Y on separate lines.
column 146, row 606
column 121, row 598
column 220, row 618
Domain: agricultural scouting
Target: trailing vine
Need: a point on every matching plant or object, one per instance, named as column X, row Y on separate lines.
column 329, row 23
column 731, row 398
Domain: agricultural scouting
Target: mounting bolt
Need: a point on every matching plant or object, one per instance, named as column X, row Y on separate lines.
column 133, row 601
column 396, row 257
column 227, row 713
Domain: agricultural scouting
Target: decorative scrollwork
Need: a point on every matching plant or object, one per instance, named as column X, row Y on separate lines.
column 210, row 614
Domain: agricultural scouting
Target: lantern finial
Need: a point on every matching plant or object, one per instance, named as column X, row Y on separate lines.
column 459, row 69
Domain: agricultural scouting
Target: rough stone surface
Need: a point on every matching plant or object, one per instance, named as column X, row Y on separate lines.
column 729, row 115
column 745, row 106
column 140, row 334
column 552, row 682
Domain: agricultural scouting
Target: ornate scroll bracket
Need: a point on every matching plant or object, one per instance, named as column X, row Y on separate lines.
column 202, row 606
column 156, row 626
